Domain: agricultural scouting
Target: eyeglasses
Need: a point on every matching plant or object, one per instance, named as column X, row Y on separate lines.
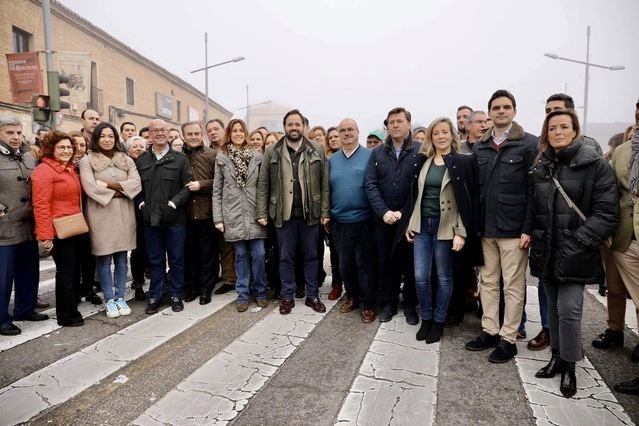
column 479, row 121
column 64, row 148
column 158, row 130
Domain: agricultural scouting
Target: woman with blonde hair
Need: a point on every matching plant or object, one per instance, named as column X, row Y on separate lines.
column 442, row 215
column 237, row 168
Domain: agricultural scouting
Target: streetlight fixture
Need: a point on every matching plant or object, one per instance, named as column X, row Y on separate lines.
column 206, row 73
column 247, row 107
column 588, row 64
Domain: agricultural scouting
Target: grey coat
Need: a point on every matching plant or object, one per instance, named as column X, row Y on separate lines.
column 233, row 206
column 16, row 224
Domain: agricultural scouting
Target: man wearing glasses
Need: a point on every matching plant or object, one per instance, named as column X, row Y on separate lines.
column 476, row 126
column 165, row 174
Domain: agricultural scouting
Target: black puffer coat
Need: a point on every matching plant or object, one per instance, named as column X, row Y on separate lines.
column 565, row 249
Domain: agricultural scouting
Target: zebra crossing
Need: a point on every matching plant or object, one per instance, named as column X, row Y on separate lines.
column 397, row 380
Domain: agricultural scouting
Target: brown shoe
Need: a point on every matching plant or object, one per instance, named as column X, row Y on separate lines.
column 242, row 307
column 40, row 304
column 286, row 306
column 541, row 341
column 316, row 305
column 348, row 306
column 335, row 293
column 368, row 315
column 262, row 303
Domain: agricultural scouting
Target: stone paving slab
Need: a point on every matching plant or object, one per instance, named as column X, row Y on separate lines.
column 69, row 376
column 216, row 393
column 594, row 403
column 397, row 382
column 32, row 330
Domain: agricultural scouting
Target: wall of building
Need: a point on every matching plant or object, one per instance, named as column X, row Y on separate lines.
column 115, row 62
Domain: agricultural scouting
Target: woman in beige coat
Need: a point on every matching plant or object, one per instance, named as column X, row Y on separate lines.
column 237, row 167
column 110, row 179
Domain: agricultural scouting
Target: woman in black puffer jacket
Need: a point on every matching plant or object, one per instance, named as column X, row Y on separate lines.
column 565, row 252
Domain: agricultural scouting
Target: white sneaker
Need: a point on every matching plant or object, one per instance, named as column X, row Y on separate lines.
column 123, row 308
column 112, row 309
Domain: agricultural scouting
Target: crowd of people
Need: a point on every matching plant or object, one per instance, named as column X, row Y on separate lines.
column 449, row 217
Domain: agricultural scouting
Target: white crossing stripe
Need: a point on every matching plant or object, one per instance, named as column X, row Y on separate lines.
column 397, row 381
column 221, row 388
column 64, row 379
column 594, row 403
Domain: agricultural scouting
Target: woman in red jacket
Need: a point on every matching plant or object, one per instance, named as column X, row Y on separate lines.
column 57, row 193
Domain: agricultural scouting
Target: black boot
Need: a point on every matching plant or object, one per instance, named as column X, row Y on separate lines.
column 424, row 329
column 205, row 296
column 608, row 338
column 435, row 333
column 553, row 367
column 568, row 385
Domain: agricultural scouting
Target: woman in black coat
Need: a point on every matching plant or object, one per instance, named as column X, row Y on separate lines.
column 565, row 252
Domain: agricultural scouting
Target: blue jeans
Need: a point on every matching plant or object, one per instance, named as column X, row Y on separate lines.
column 103, row 264
column 428, row 248
column 543, row 308
column 250, row 252
column 162, row 241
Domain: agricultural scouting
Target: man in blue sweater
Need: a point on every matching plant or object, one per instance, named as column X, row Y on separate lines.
column 352, row 221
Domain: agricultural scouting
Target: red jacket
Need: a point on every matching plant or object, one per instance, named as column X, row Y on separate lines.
column 56, row 192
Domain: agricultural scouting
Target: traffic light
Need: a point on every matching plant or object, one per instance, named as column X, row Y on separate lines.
column 40, row 108
column 56, row 92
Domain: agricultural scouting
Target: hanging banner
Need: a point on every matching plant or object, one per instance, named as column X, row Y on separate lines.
column 77, row 67
column 25, row 76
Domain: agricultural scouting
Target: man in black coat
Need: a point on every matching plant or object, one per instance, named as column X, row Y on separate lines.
column 505, row 156
column 165, row 174
column 391, row 168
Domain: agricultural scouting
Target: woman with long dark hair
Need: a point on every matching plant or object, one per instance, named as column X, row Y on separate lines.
column 575, row 209
column 110, row 179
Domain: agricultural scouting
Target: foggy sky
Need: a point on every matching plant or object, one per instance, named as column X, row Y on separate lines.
column 356, row 58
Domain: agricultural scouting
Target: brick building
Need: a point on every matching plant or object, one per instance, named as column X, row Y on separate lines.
column 124, row 85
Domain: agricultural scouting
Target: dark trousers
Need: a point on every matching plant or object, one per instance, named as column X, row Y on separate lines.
column 67, row 256
column 464, row 285
column 19, row 265
column 227, row 259
column 393, row 265
column 87, row 266
column 335, row 265
column 138, row 255
column 272, row 258
column 296, row 235
column 160, row 242
column 355, row 247
column 201, row 256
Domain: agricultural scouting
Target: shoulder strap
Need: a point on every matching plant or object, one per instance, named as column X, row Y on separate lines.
column 568, row 200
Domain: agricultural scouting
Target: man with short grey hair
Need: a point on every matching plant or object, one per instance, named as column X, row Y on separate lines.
column 476, row 125
column 18, row 246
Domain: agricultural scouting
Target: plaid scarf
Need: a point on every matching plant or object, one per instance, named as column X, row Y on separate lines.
column 240, row 157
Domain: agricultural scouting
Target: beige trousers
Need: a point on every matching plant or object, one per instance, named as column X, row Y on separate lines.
column 503, row 258
column 616, row 295
column 628, row 266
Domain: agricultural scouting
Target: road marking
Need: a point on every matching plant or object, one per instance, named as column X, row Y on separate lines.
column 594, row 403
column 60, row 381
column 221, row 388
column 397, row 382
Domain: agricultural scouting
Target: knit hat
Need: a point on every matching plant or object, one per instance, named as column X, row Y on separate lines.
column 376, row 134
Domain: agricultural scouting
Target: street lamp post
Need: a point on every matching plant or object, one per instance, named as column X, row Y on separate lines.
column 248, row 107
column 206, row 74
column 588, row 64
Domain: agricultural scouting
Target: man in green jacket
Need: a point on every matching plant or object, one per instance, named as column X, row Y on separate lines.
column 293, row 192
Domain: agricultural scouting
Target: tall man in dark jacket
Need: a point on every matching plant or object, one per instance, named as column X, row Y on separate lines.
column 18, row 246
column 390, row 171
column 165, row 174
column 201, row 253
column 505, row 155
column 293, row 192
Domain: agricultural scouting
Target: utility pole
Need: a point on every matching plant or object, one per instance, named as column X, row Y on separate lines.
column 48, row 46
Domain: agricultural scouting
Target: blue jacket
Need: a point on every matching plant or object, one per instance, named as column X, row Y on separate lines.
column 388, row 178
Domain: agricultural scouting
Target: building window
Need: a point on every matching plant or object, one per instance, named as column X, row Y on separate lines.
column 21, row 40
column 130, row 100
column 179, row 111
